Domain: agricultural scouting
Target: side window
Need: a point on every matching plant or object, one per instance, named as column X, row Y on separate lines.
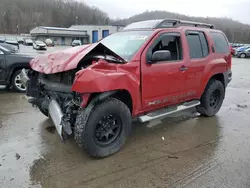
column 204, row 44
column 220, row 42
column 195, row 47
column 171, row 42
column 197, row 43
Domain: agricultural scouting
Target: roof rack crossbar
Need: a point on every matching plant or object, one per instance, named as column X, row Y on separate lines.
column 176, row 23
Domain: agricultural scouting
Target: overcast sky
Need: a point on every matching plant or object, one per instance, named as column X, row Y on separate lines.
column 236, row 9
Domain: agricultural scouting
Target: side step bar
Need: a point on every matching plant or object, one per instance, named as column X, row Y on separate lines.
column 168, row 110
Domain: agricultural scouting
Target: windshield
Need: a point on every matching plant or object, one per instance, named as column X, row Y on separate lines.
column 10, row 39
column 39, row 42
column 126, row 44
column 76, row 41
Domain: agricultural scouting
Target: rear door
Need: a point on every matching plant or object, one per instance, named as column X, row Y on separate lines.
column 199, row 57
column 2, row 66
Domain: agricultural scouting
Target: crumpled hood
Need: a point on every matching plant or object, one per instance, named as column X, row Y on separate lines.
column 59, row 61
column 65, row 60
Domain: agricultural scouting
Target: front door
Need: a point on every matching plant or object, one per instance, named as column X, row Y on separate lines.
column 163, row 82
column 2, row 66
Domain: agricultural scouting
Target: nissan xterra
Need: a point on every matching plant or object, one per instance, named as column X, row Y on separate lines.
column 148, row 70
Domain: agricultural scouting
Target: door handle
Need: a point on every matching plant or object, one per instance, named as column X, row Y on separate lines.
column 183, row 68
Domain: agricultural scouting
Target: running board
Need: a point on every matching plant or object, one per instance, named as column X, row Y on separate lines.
column 168, row 110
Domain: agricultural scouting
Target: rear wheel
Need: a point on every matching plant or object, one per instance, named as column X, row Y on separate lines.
column 212, row 98
column 16, row 83
column 106, row 129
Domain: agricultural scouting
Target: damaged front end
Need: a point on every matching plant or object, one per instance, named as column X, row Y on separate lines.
column 49, row 85
column 52, row 95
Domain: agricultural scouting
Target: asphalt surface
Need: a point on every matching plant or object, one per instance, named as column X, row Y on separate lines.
column 184, row 150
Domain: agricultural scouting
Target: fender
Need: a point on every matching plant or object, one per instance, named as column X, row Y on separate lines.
column 103, row 77
column 218, row 66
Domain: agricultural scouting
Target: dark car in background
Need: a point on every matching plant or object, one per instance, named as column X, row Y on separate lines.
column 2, row 39
column 12, row 41
column 20, row 40
column 28, row 42
column 11, row 64
column 10, row 47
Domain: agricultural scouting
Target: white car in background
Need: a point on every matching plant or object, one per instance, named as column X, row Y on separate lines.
column 39, row 45
column 76, row 43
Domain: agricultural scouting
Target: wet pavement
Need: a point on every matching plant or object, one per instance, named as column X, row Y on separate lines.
column 184, row 150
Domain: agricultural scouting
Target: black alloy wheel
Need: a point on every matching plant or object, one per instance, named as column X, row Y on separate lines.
column 215, row 98
column 107, row 130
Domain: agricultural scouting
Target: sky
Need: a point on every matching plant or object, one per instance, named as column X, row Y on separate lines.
column 235, row 9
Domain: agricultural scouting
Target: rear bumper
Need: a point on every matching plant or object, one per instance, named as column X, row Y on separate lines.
column 42, row 48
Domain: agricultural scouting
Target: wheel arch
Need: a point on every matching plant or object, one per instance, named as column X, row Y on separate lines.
column 220, row 77
column 15, row 68
column 242, row 53
column 121, row 94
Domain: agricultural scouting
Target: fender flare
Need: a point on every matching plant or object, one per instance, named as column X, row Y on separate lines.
column 96, row 99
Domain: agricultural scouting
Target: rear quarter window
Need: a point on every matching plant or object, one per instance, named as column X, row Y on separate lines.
column 220, row 42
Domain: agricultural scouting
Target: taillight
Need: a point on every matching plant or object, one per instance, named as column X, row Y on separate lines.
column 229, row 61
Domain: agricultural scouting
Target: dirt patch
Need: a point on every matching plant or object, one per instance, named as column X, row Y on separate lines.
column 241, row 105
column 17, row 156
column 51, row 129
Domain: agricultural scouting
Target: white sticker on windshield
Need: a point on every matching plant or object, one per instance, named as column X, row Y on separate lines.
column 138, row 37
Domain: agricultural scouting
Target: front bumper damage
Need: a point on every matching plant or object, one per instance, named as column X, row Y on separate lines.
column 56, row 115
column 55, row 111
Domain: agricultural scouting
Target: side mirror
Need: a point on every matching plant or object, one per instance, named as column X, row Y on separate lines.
column 161, row 55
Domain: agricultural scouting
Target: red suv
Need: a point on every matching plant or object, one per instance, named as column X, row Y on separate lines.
column 148, row 70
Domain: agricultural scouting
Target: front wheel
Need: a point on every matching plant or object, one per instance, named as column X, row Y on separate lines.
column 106, row 129
column 212, row 98
column 16, row 83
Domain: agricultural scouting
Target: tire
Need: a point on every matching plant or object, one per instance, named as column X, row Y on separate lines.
column 242, row 55
column 44, row 111
column 16, row 84
column 208, row 106
column 86, row 128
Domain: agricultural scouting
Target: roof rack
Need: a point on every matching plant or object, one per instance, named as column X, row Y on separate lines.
column 165, row 23
column 176, row 23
